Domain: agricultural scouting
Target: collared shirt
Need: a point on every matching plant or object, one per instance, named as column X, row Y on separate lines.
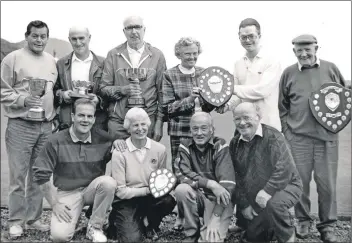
column 258, row 81
column 258, row 132
column 317, row 63
column 135, row 55
column 80, row 68
column 75, row 139
column 140, row 153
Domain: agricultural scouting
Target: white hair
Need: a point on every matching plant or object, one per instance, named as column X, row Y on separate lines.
column 133, row 114
column 132, row 17
column 203, row 114
column 78, row 28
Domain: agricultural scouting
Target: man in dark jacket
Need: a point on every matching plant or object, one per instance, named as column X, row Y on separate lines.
column 81, row 64
column 267, row 181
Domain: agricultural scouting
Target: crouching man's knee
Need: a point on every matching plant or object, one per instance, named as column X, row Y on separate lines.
column 107, row 184
column 183, row 191
column 61, row 235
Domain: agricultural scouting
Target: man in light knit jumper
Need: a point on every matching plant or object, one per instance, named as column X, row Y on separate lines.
column 25, row 138
column 313, row 147
column 267, row 181
column 115, row 88
column 77, row 159
column 81, row 64
column 256, row 75
column 135, row 211
column 206, row 175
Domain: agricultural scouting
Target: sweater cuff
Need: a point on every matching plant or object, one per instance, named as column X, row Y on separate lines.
column 268, row 189
column 202, row 182
column 21, row 100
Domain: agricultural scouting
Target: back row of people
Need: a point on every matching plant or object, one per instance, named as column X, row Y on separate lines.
column 171, row 96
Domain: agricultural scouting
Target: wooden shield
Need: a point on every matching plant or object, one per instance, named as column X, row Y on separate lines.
column 216, row 85
column 331, row 106
column 161, row 182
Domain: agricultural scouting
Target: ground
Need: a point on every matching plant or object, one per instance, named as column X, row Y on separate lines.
column 343, row 231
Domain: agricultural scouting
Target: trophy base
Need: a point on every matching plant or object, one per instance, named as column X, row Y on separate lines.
column 36, row 114
column 77, row 95
column 136, row 102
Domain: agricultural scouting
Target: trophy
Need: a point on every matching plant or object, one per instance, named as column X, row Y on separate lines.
column 134, row 75
column 161, row 182
column 37, row 88
column 81, row 89
column 216, row 85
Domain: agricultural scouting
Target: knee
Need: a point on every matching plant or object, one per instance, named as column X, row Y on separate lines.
column 274, row 206
column 107, row 184
column 183, row 191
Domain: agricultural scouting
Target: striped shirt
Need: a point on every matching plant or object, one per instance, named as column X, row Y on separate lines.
column 178, row 106
column 196, row 168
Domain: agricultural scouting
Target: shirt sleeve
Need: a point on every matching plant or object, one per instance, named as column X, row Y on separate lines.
column 234, row 100
column 269, row 80
column 45, row 163
column 9, row 96
column 161, row 68
column 183, row 169
column 171, row 106
column 284, row 102
column 118, row 172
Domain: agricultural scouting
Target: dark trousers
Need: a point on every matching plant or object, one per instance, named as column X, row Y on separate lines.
column 321, row 157
column 174, row 144
column 275, row 220
column 126, row 217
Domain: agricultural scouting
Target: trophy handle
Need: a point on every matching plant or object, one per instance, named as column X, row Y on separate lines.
column 46, row 84
column 28, row 90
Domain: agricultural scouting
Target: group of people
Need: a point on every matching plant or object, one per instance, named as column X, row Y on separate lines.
column 104, row 152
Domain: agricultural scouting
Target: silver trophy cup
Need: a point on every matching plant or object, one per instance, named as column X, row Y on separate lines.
column 135, row 75
column 81, row 88
column 37, row 88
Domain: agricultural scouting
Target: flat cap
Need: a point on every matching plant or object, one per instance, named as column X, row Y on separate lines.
column 305, row 39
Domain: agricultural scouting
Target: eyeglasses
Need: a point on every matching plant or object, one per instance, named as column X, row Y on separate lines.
column 131, row 27
column 249, row 37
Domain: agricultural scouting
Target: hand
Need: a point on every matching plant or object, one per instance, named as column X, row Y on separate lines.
column 195, row 92
column 249, row 213
column 94, row 98
column 131, row 89
column 222, row 109
column 62, row 212
column 213, row 229
column 120, row 145
column 31, row 101
column 222, row 195
column 66, row 96
column 262, row 198
column 158, row 130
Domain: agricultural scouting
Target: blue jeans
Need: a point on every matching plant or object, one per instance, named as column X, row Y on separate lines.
column 24, row 140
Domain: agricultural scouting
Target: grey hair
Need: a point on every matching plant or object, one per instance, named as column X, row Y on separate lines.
column 256, row 107
column 203, row 114
column 186, row 41
column 133, row 114
column 73, row 28
column 132, row 17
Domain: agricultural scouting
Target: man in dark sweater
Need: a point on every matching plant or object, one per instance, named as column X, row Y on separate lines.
column 77, row 157
column 204, row 170
column 312, row 146
column 267, row 181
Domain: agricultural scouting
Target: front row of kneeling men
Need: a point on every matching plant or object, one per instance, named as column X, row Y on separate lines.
column 256, row 172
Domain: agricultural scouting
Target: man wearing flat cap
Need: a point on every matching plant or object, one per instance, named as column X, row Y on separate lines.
column 313, row 147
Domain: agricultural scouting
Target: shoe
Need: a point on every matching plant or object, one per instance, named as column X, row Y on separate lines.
column 235, row 229
column 302, row 231
column 153, row 234
column 15, row 231
column 292, row 238
column 190, row 239
column 328, row 237
column 95, row 235
column 37, row 225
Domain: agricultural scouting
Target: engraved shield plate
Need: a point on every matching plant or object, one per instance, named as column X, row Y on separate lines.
column 216, row 85
column 161, row 182
column 331, row 106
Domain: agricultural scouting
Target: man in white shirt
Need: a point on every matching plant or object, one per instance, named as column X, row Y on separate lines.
column 81, row 64
column 256, row 76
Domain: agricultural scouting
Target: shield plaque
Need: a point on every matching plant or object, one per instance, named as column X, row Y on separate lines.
column 216, row 85
column 161, row 182
column 331, row 106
